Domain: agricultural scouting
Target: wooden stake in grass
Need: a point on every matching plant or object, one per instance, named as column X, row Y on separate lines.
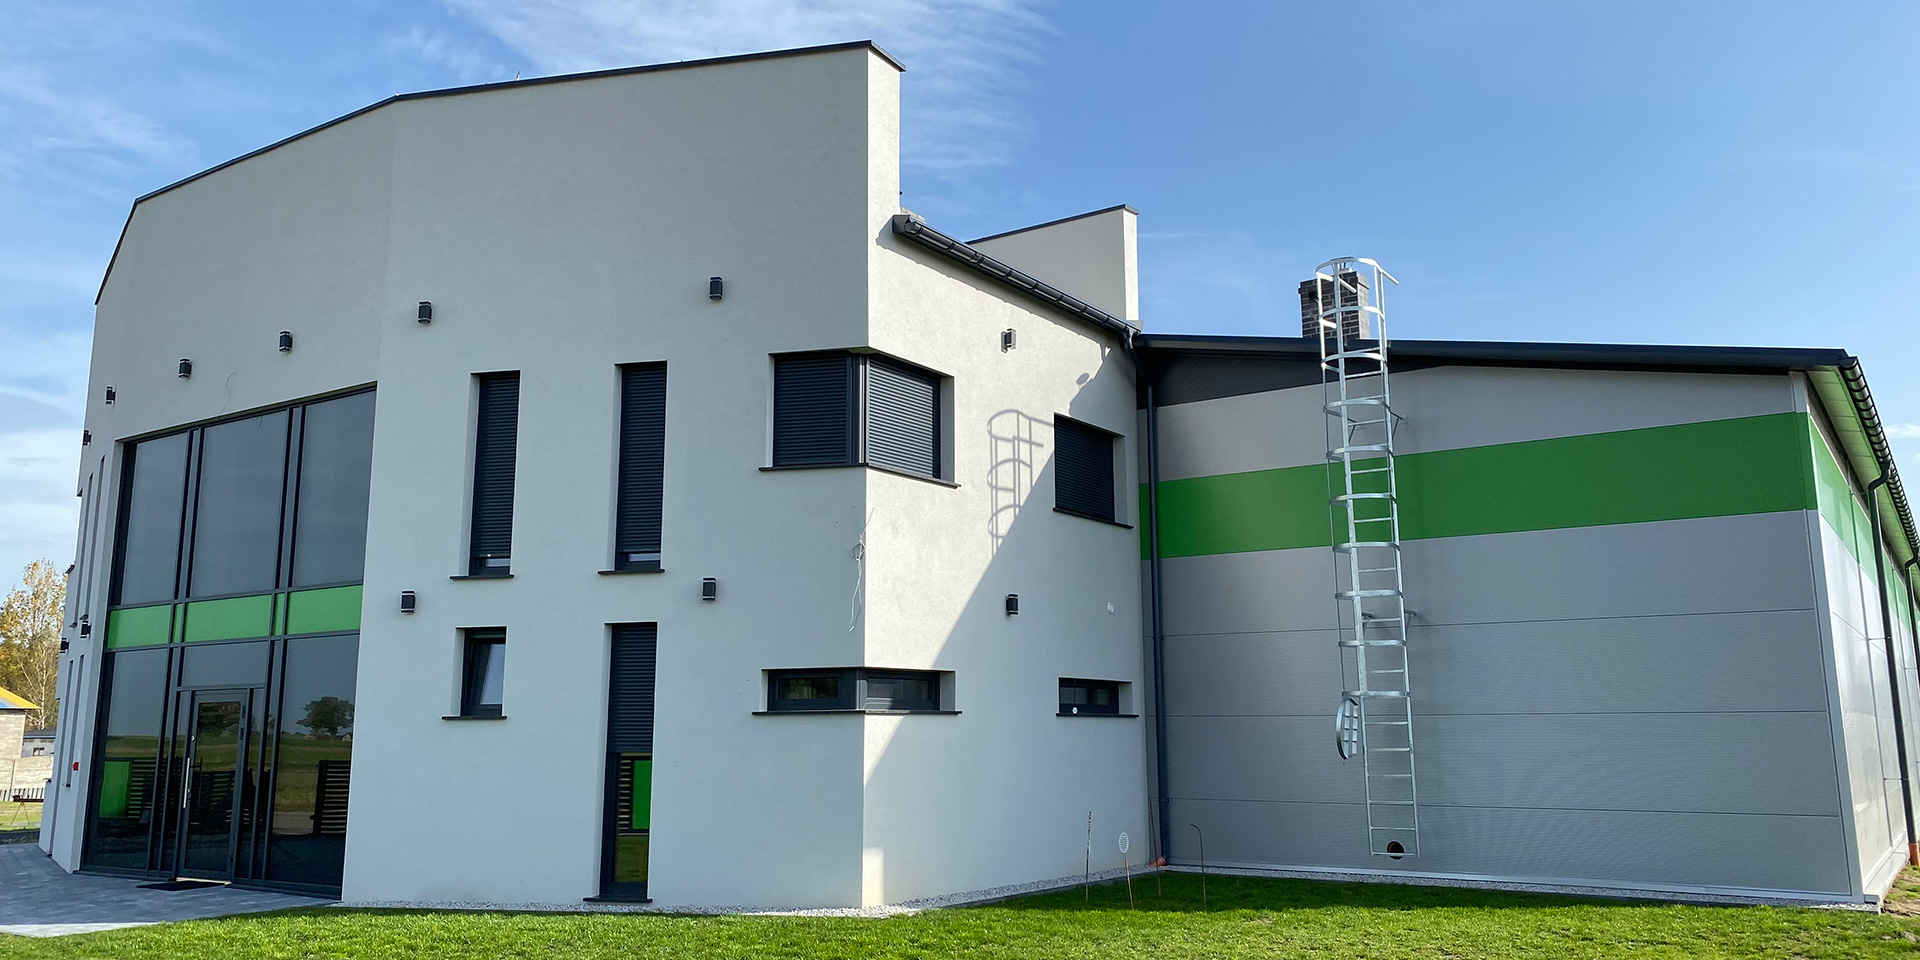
column 1127, row 866
column 1086, row 874
column 1203, row 864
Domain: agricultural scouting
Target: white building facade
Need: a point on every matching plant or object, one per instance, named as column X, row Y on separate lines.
column 599, row 488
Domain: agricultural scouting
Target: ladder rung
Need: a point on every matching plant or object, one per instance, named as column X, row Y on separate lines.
column 1391, row 803
column 1397, row 776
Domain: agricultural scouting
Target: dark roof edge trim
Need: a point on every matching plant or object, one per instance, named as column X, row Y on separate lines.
column 917, row 231
column 1054, row 223
column 1559, row 354
column 1871, row 425
column 481, row 88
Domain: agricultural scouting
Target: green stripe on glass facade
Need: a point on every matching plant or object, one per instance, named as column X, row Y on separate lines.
column 1715, row 468
column 333, row 610
column 139, row 626
column 328, row 610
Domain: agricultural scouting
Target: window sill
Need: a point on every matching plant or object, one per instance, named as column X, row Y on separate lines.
column 466, row 717
column 616, row 899
column 882, row 713
column 1088, row 516
column 936, row 481
column 482, row 576
column 1114, row 716
column 642, row 570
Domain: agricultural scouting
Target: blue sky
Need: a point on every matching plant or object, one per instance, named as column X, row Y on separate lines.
column 1701, row 172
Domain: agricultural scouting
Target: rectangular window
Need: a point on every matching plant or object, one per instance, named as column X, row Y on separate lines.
column 847, row 409
column 335, row 474
column 1083, row 470
column 237, row 516
column 627, row 830
column 484, row 676
column 813, row 410
column 496, row 437
column 643, row 443
column 155, row 495
column 1089, row 697
column 852, row 688
column 903, row 417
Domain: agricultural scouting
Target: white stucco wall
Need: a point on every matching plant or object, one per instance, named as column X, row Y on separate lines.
column 562, row 229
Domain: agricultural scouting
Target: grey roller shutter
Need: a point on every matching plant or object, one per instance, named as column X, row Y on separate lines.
column 813, row 410
column 1082, row 469
column 496, row 436
column 630, row 688
column 903, row 417
column 643, row 444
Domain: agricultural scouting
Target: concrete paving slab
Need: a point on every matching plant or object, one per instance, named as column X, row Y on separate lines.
column 38, row 899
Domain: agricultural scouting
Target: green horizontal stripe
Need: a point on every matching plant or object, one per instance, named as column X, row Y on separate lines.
column 139, row 626
column 1715, row 468
column 323, row 611
column 235, row 618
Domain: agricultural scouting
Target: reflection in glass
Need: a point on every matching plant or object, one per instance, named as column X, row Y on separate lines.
column 633, row 815
column 486, row 673
column 124, row 799
column 313, row 762
column 214, row 785
column 336, row 464
column 156, row 497
column 236, row 529
column 225, row 664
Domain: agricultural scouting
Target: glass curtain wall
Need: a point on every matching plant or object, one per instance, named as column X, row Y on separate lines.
column 226, row 726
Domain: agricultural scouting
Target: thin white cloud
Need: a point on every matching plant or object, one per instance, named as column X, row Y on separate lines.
column 1903, row 431
column 465, row 60
column 965, row 56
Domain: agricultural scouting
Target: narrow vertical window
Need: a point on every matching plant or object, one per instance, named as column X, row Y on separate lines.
column 1083, row 470
column 643, row 445
column 814, row 407
column 484, row 676
column 496, row 436
column 628, row 829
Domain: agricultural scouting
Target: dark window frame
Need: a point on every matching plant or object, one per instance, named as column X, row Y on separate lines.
column 1112, row 688
column 859, row 415
column 640, row 472
column 1063, row 427
column 491, row 560
column 473, row 671
column 856, row 691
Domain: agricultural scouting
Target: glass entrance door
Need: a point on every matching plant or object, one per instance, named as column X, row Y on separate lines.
column 215, row 774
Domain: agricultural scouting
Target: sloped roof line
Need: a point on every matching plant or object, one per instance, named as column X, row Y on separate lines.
column 13, row 701
column 482, row 88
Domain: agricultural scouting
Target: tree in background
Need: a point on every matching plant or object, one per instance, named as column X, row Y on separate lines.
column 328, row 716
column 30, row 639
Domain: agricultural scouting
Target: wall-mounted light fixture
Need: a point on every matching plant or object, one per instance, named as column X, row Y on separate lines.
column 709, row 589
column 713, row 288
column 109, row 394
column 286, row 341
column 426, row 312
column 86, row 629
column 1013, row 604
column 86, row 437
column 407, row 601
column 1007, row 339
column 63, row 646
column 186, row 368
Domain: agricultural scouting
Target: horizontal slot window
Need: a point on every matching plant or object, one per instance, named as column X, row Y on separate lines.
column 854, row 688
column 1089, row 697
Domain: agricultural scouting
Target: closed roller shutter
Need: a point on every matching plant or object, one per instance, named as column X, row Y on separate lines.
column 1082, row 469
column 630, row 688
column 495, row 438
column 903, row 417
column 813, row 410
column 643, row 444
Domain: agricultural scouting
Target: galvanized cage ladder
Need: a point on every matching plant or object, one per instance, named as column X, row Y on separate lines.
column 1376, row 714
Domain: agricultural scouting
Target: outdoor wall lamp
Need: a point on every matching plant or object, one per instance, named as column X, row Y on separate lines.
column 86, row 437
column 426, row 312
column 713, row 288
column 286, row 341
column 407, row 601
column 1013, row 604
column 186, row 368
column 109, row 394
column 709, row 589
column 1007, row 339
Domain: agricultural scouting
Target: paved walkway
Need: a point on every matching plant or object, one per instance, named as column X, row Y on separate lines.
column 38, row 899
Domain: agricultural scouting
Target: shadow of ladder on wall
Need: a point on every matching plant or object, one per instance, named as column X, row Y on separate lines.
column 1345, row 306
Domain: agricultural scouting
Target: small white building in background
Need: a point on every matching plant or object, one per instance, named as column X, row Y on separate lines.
column 599, row 488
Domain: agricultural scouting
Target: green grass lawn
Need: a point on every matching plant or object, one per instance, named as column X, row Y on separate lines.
column 19, row 816
column 1244, row 918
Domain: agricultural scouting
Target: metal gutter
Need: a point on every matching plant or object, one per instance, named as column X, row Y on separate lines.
column 482, row 88
column 916, row 230
column 1607, row 355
